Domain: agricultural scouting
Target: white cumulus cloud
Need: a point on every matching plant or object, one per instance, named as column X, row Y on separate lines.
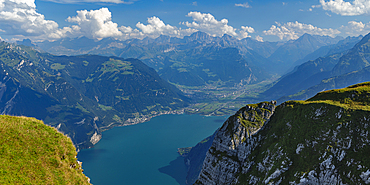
column 293, row 30
column 356, row 28
column 20, row 18
column 356, row 7
column 206, row 22
column 157, row 27
column 259, row 38
column 244, row 32
column 96, row 23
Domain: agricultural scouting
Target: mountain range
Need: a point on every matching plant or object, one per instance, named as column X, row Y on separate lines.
column 311, row 72
column 82, row 95
column 199, row 59
column 343, row 65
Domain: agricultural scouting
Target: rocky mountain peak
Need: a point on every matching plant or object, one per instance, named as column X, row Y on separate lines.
column 198, row 36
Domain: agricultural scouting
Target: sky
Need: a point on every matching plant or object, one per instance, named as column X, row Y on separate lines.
column 267, row 20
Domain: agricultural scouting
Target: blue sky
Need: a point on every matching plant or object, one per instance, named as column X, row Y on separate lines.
column 268, row 20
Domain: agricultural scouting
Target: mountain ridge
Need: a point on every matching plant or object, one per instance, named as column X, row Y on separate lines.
column 312, row 72
column 82, row 95
column 264, row 58
column 320, row 129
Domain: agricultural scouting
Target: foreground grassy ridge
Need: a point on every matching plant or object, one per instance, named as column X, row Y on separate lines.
column 33, row 153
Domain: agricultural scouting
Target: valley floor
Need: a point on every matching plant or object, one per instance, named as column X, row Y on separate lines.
column 214, row 100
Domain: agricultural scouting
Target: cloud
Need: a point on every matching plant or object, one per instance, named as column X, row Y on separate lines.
column 194, row 3
column 293, row 30
column 356, row 28
column 357, row 7
column 247, row 29
column 20, row 18
column 206, row 22
column 244, row 5
column 313, row 6
column 92, row 1
column 244, row 32
column 259, row 38
column 96, row 23
column 157, row 27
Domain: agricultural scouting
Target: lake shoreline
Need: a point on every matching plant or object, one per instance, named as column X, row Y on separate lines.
column 112, row 159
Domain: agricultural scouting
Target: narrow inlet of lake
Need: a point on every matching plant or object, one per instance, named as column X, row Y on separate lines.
column 146, row 153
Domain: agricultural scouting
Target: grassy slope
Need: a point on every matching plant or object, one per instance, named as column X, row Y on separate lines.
column 323, row 124
column 33, row 153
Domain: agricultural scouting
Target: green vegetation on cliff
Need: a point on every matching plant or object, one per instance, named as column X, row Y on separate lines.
column 33, row 153
column 327, row 134
column 323, row 140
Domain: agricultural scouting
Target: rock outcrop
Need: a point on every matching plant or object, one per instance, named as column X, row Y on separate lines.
column 194, row 159
column 323, row 140
column 233, row 143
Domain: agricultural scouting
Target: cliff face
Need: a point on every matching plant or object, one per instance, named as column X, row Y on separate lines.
column 194, row 159
column 233, row 143
column 323, row 140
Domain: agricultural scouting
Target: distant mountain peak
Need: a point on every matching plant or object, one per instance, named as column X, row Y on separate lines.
column 227, row 36
column 356, row 59
column 163, row 38
column 200, row 36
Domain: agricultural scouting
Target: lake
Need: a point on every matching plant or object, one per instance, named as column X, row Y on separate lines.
column 146, row 153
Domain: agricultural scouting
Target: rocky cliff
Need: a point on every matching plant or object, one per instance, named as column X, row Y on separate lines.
column 194, row 157
column 323, row 140
column 233, row 143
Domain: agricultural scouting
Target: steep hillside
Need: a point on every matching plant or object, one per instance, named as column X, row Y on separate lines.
column 294, row 50
column 33, row 153
column 194, row 157
column 304, row 76
column 82, row 95
column 209, row 65
column 323, row 140
column 341, row 81
column 334, row 71
column 356, row 59
column 343, row 45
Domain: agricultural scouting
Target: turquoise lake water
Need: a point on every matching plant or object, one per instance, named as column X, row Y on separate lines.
column 146, row 153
